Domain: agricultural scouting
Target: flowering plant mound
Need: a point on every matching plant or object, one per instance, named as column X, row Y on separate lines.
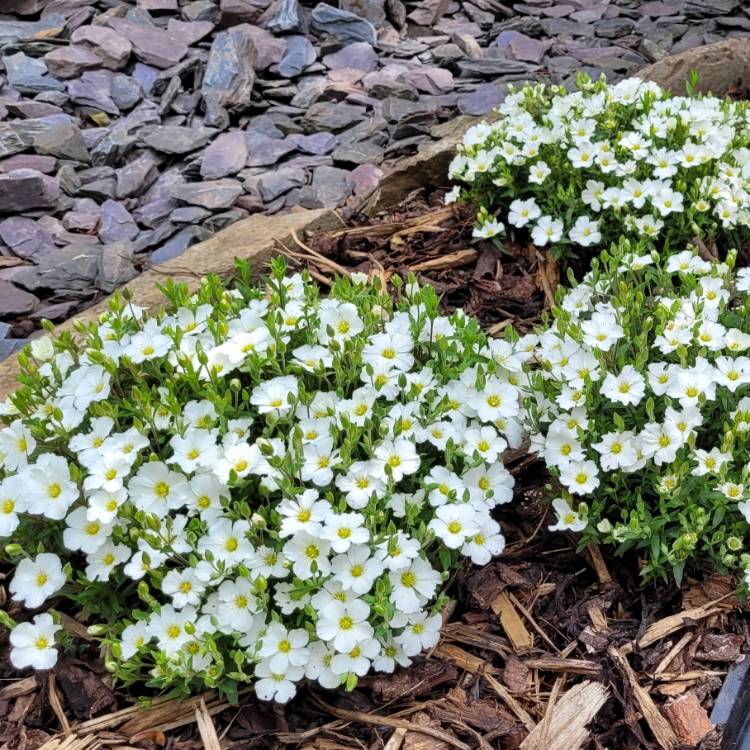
column 582, row 169
column 641, row 408
column 258, row 484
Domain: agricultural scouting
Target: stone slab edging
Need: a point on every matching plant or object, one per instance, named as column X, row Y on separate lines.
column 723, row 68
column 253, row 239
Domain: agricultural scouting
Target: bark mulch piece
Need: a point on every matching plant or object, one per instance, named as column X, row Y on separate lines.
column 433, row 241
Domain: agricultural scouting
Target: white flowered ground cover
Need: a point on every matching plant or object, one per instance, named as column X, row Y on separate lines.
column 259, row 485
column 581, row 169
column 641, row 408
column 256, row 485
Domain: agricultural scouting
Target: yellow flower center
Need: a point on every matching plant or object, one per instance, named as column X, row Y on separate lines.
column 408, row 578
column 161, row 489
column 454, row 527
column 231, row 544
column 346, row 623
column 54, row 490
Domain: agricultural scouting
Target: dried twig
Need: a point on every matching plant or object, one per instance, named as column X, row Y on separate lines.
column 570, row 717
column 206, row 727
column 387, row 721
column 660, row 727
column 517, row 709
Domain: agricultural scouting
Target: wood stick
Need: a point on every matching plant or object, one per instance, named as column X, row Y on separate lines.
column 660, row 727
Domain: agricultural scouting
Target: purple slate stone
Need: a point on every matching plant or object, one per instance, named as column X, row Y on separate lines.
column 145, row 75
column 15, row 301
column 189, row 32
column 365, row 177
column 25, row 237
column 658, row 8
column 33, row 109
column 151, row 45
column 112, row 49
column 70, row 61
column 116, row 223
column 558, row 10
column 213, row 195
column 482, row 100
column 226, row 155
column 359, row 56
column 153, row 213
column 265, row 151
column 430, row 80
column 316, row 144
column 43, row 164
column 94, row 89
column 269, row 49
column 526, row 49
column 27, row 189
column 77, row 221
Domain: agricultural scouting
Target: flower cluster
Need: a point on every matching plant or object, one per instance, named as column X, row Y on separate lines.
column 582, row 169
column 641, row 410
column 257, row 484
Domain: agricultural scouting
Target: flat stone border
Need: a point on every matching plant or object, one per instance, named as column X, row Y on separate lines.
column 253, row 239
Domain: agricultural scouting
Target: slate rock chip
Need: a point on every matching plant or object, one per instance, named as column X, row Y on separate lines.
column 116, row 223
column 29, row 75
column 25, row 237
column 226, row 155
column 71, row 61
column 111, row 48
column 15, row 301
column 358, row 55
column 330, row 187
column 25, row 190
column 175, row 139
column 332, row 116
column 73, row 267
column 213, row 194
column 116, row 266
column 345, row 26
column 229, row 76
column 288, row 18
column 137, row 175
column 300, row 54
column 56, row 135
column 151, row 45
column 280, row 181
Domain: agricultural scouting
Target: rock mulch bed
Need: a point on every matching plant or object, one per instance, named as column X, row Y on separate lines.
column 132, row 130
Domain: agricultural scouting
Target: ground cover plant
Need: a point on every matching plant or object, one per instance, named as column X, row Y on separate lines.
column 256, row 485
column 581, row 169
column 640, row 408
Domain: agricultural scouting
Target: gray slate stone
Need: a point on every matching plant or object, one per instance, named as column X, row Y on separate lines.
column 25, row 190
column 29, row 75
column 15, row 301
column 175, row 139
column 331, row 21
column 299, row 55
column 229, row 76
column 137, row 175
column 25, row 237
column 213, row 195
column 73, row 267
column 116, row 223
column 226, row 155
column 56, row 135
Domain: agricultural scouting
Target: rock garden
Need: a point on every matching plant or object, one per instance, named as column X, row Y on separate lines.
column 398, row 392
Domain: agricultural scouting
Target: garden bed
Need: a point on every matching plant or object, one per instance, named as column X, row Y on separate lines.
column 549, row 648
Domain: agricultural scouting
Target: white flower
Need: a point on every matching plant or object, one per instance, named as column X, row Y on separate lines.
column 81, row 533
column 453, row 523
column 343, row 530
column 16, row 445
column 628, row 387
column 422, row 632
column 398, row 458
column 277, row 686
column 522, row 212
column 12, row 502
column 567, row 518
column 33, row 643
column 36, row 580
column 585, row 232
column 547, row 230
column 156, row 489
column 284, row 648
column 580, row 477
column 413, row 585
column 485, row 544
column 275, row 396
column 344, row 625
